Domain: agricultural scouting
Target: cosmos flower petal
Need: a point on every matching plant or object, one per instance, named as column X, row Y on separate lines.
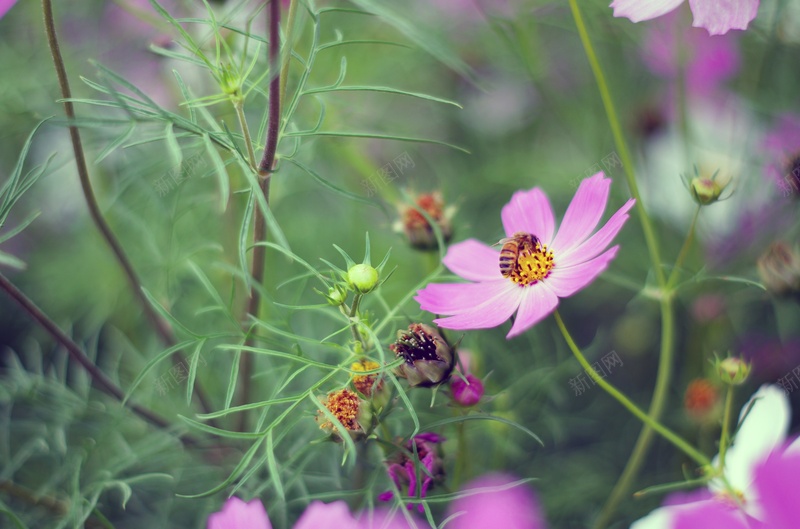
column 473, row 260
column 776, row 481
column 763, row 430
column 320, row 515
column 600, row 240
column 529, row 212
column 537, row 302
column 488, row 314
column 455, row 298
column 664, row 517
column 710, row 515
column 583, row 213
column 5, row 5
column 236, row 514
column 566, row 281
column 720, row 16
column 637, row 10
column 494, row 501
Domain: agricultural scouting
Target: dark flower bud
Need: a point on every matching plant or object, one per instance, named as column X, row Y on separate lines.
column 417, row 228
column 428, row 358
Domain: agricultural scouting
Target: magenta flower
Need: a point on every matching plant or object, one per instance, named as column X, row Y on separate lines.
column 5, row 5
column 554, row 265
column 495, row 501
column 236, row 514
column 402, row 468
column 716, row 16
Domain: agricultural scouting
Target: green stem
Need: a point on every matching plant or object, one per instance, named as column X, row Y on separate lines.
column 251, row 155
column 287, row 54
column 619, row 141
column 687, row 243
column 665, row 432
column 726, row 419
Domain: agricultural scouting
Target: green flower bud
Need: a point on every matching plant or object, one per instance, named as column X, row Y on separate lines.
column 336, row 295
column 733, row 370
column 705, row 191
column 363, row 278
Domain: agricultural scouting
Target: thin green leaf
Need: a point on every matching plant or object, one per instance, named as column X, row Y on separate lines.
column 244, row 237
column 377, row 136
column 327, row 184
column 153, row 362
column 384, row 89
column 114, row 145
column 274, row 472
column 221, row 172
column 193, row 370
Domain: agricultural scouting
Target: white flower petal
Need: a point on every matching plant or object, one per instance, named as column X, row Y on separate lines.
column 762, row 430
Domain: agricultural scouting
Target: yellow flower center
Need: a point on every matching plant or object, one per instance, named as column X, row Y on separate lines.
column 533, row 265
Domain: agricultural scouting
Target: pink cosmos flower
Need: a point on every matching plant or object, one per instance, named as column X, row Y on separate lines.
column 5, row 5
column 716, row 16
column 402, row 467
column 557, row 266
column 236, row 514
column 494, row 501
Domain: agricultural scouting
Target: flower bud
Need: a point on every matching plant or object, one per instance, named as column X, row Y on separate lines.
column 416, row 227
column 336, row 295
column 705, row 190
column 402, row 466
column 428, row 358
column 779, row 269
column 466, row 392
column 349, row 410
column 701, row 401
column 733, row 370
column 362, row 277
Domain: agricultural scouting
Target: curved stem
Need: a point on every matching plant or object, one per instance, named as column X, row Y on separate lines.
column 161, row 326
column 238, row 105
column 265, row 169
column 645, row 438
column 665, row 432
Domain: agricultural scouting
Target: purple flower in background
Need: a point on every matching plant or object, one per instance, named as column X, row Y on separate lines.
column 707, row 61
column 403, row 467
column 716, row 16
column 495, row 500
column 782, row 148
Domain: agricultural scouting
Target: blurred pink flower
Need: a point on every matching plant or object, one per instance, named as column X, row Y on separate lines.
column 716, row 16
column 5, row 5
column 466, row 392
column 556, row 266
column 494, row 500
column 236, row 514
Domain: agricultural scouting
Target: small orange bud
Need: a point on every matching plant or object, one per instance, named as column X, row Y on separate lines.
column 701, row 400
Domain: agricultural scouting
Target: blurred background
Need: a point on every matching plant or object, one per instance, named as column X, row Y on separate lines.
column 531, row 115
